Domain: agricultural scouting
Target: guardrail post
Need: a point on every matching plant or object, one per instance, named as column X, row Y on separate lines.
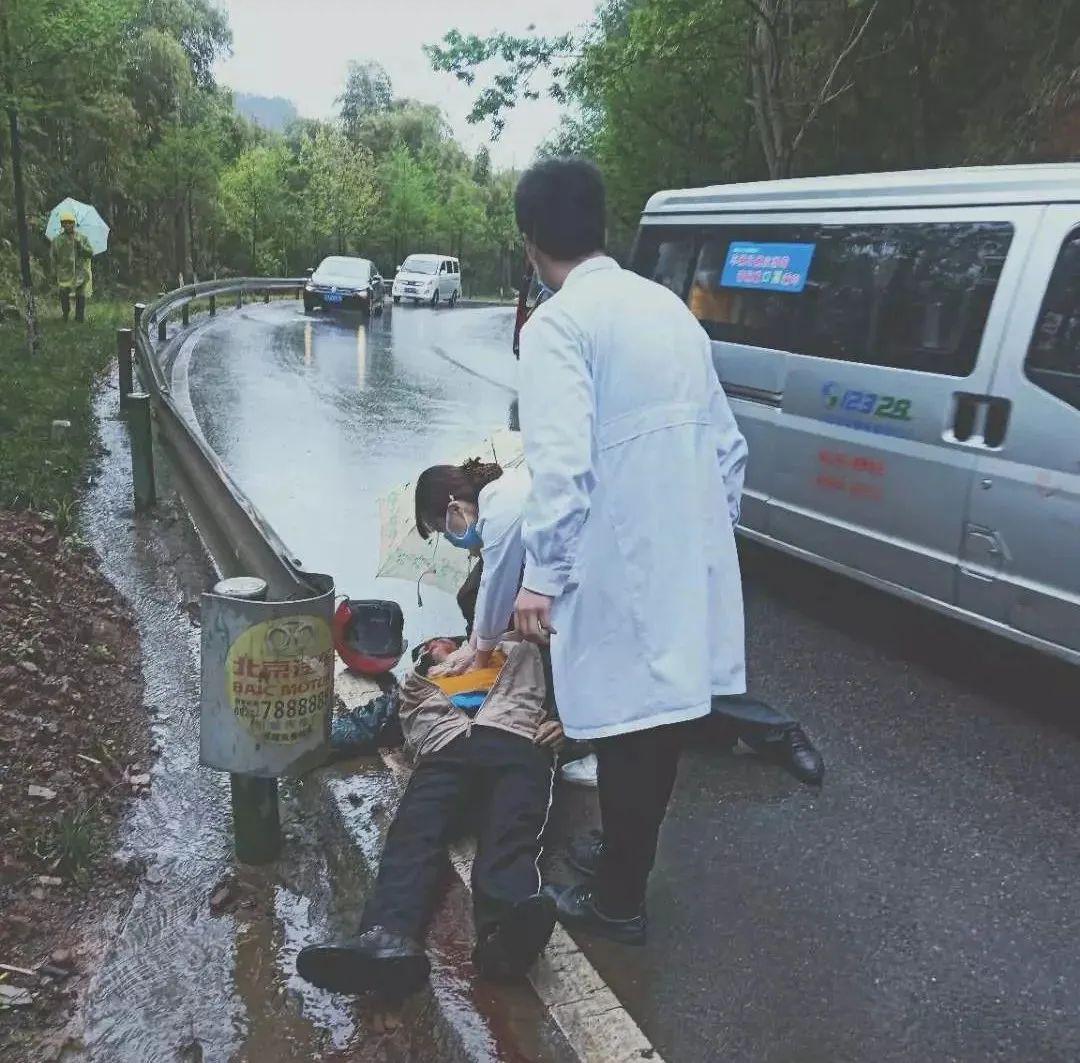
column 266, row 296
column 213, row 305
column 142, row 450
column 239, row 298
column 256, row 824
column 185, row 315
column 123, row 362
column 139, row 309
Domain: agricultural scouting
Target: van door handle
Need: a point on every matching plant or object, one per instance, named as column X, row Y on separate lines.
column 980, row 420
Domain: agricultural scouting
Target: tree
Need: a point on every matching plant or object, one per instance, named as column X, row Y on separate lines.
column 462, row 216
column 341, row 192
column 418, row 126
column 791, row 80
column 367, row 91
column 481, row 170
column 258, row 207
column 47, row 64
column 409, row 189
column 523, row 58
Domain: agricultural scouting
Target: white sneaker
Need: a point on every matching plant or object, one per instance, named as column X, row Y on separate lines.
column 581, row 772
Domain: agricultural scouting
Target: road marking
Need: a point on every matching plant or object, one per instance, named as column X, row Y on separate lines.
column 590, row 1016
column 443, row 353
column 179, row 382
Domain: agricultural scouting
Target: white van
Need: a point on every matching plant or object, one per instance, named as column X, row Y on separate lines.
column 430, row 279
column 902, row 352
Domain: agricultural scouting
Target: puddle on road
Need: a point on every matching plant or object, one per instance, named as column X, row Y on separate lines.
column 177, row 982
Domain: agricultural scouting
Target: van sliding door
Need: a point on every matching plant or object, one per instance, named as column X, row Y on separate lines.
column 1020, row 563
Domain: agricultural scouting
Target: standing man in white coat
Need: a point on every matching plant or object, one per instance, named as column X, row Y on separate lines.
column 631, row 569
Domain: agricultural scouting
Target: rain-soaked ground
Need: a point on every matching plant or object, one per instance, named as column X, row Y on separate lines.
column 177, row 981
column 921, row 906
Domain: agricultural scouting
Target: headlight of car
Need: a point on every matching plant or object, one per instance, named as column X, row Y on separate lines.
column 309, row 287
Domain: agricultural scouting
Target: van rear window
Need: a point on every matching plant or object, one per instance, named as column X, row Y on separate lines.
column 911, row 295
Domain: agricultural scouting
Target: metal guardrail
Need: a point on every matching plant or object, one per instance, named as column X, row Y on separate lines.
column 238, row 538
column 267, row 655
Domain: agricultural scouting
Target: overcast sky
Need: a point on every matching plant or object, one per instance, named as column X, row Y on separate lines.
column 300, row 49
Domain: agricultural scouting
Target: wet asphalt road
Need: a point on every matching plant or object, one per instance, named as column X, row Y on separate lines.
column 923, row 905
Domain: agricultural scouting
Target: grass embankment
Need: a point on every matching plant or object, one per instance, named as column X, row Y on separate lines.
column 57, row 384
column 74, row 736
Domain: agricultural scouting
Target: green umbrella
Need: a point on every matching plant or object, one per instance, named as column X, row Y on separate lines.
column 87, row 221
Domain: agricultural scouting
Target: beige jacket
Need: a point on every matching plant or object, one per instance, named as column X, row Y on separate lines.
column 516, row 703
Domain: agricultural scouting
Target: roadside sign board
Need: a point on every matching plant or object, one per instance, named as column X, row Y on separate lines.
column 267, row 684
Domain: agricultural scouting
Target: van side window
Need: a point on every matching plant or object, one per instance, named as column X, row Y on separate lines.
column 909, row 296
column 666, row 256
column 1053, row 359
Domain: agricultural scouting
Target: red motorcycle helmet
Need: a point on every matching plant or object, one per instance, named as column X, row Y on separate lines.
column 368, row 635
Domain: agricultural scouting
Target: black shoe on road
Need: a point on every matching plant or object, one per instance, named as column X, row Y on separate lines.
column 511, row 947
column 795, row 753
column 379, row 959
column 576, row 908
column 583, row 854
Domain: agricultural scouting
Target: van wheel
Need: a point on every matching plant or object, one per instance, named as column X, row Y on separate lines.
column 397, row 299
column 453, row 300
column 435, row 298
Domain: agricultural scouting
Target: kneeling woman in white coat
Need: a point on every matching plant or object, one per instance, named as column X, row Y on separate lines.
column 478, row 507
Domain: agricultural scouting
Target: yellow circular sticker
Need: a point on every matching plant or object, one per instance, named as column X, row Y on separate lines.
column 281, row 675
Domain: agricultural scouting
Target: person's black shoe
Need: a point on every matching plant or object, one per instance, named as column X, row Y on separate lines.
column 510, row 948
column 795, row 753
column 576, row 907
column 583, row 855
column 378, row 959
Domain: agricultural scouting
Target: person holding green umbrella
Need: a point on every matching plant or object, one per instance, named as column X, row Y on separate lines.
column 77, row 233
column 71, row 254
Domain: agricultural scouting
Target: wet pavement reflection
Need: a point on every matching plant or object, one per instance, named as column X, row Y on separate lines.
column 317, row 416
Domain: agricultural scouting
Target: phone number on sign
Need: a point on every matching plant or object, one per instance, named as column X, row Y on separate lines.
column 280, row 709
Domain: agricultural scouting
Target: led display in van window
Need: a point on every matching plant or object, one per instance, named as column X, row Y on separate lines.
column 767, row 267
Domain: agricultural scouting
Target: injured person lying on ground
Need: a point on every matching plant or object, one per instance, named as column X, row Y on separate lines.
column 483, row 740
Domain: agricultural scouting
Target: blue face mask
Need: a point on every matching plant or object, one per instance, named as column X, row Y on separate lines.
column 469, row 539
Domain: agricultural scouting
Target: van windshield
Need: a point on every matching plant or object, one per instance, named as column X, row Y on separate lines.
column 416, row 264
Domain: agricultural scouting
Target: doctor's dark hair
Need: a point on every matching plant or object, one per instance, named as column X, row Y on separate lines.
column 439, row 484
column 560, row 205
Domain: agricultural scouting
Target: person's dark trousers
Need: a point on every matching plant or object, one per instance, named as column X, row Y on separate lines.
column 80, row 303
column 508, row 778
column 635, row 777
column 748, row 718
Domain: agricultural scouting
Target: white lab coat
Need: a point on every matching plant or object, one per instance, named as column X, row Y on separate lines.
column 637, row 470
column 501, row 505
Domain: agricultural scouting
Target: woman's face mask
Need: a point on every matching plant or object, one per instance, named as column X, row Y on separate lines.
column 461, row 530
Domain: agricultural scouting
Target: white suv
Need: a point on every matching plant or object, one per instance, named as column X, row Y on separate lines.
column 428, row 278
